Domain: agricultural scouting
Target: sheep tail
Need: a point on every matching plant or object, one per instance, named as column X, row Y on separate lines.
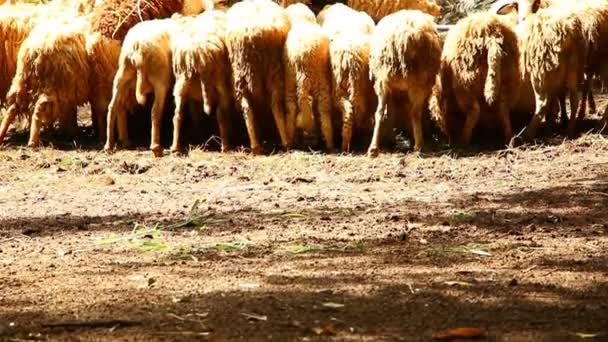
column 493, row 78
column 141, row 90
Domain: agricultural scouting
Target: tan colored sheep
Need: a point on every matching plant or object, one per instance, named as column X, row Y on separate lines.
column 352, row 89
column 594, row 22
column 202, row 71
column 553, row 54
column 145, row 61
column 15, row 26
column 376, row 9
column 114, row 18
column 47, row 92
column 256, row 34
column 405, row 56
column 307, row 75
column 479, row 77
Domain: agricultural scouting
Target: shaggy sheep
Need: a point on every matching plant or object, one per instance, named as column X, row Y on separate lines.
column 145, row 61
column 479, row 77
column 553, row 54
column 307, row 75
column 255, row 37
column 49, row 92
column 202, row 71
column 376, row 9
column 15, row 26
column 114, row 18
column 404, row 58
column 594, row 22
column 349, row 33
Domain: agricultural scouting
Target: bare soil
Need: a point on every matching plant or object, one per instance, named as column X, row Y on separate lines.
column 305, row 246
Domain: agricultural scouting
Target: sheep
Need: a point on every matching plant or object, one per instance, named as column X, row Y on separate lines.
column 349, row 33
column 15, row 26
column 307, row 75
column 376, row 9
column 202, row 71
column 50, row 91
column 594, row 22
column 404, row 58
column 114, row 18
column 145, row 60
column 102, row 55
column 479, row 76
column 553, row 54
column 255, row 36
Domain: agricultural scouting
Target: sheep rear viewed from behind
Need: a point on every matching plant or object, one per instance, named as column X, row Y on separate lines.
column 47, row 92
column 202, row 72
column 479, row 77
column 404, row 60
column 307, row 76
column 352, row 90
column 255, row 37
column 553, row 53
column 144, row 62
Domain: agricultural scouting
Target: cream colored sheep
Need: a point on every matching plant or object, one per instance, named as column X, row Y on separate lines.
column 114, row 18
column 15, row 26
column 594, row 22
column 255, row 37
column 479, row 77
column 404, row 58
column 376, row 9
column 553, row 53
column 145, row 61
column 51, row 79
column 352, row 89
column 307, row 75
column 202, row 71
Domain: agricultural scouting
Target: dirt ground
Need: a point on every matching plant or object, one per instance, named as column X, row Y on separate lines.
column 305, row 246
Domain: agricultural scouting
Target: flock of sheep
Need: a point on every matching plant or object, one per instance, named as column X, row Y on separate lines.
column 352, row 71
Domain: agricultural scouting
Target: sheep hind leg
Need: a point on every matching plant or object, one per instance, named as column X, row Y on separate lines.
column 278, row 113
column 8, row 120
column 248, row 115
column 179, row 93
column 99, row 117
column 160, row 93
column 505, row 119
column 116, row 110
column 223, row 111
column 324, row 108
column 573, row 105
column 380, row 118
column 347, row 124
column 291, row 106
column 542, row 106
column 473, row 114
column 41, row 109
column 586, row 94
column 592, row 106
column 416, row 117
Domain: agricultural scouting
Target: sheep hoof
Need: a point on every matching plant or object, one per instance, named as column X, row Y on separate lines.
column 176, row 149
column 157, row 151
column 257, row 150
column 373, row 152
column 33, row 145
column 330, row 150
column 226, row 148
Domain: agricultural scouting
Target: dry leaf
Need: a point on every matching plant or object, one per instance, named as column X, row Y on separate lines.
column 479, row 252
column 327, row 329
column 333, row 305
column 584, row 335
column 255, row 317
column 463, row 332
